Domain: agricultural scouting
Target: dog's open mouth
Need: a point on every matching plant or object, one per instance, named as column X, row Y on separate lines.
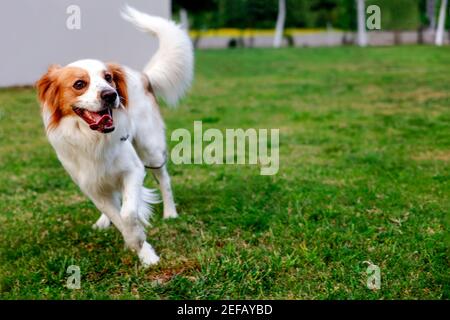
column 101, row 121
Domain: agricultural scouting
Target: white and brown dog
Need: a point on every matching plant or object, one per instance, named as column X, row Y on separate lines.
column 103, row 121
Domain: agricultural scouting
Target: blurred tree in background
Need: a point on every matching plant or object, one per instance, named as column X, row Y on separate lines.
column 341, row 14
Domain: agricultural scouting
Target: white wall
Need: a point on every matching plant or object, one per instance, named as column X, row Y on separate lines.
column 33, row 35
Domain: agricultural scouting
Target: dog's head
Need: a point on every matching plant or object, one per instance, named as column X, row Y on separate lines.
column 88, row 89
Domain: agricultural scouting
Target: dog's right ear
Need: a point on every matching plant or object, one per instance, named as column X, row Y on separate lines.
column 47, row 87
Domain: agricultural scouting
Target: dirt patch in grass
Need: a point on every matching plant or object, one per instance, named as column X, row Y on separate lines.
column 440, row 155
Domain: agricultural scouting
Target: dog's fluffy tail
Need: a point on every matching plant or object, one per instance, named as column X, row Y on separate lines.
column 149, row 197
column 171, row 69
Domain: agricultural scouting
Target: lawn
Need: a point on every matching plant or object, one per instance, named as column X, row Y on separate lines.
column 364, row 177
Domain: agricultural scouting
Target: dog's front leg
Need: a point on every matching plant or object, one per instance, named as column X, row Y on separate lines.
column 134, row 232
column 104, row 221
column 109, row 206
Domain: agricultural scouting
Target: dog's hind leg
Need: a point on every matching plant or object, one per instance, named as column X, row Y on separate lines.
column 163, row 178
column 154, row 155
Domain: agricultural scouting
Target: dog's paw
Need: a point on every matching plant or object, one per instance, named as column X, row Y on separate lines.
column 147, row 255
column 102, row 223
column 170, row 214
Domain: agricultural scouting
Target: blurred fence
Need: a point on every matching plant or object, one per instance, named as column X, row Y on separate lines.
column 229, row 38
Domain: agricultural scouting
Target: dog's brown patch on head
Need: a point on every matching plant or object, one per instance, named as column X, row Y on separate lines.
column 57, row 93
column 119, row 82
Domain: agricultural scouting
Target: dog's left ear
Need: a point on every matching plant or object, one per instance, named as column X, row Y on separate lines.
column 119, row 78
column 47, row 87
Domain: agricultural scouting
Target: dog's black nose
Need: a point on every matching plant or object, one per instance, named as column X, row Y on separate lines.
column 108, row 95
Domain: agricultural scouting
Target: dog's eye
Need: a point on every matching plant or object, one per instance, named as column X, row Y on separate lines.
column 108, row 77
column 80, row 84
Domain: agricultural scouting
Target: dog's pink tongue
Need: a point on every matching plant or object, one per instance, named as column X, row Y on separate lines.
column 101, row 122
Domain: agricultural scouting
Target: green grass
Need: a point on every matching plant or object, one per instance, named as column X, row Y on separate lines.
column 364, row 176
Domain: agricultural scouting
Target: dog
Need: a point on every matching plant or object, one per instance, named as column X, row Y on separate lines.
column 103, row 121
